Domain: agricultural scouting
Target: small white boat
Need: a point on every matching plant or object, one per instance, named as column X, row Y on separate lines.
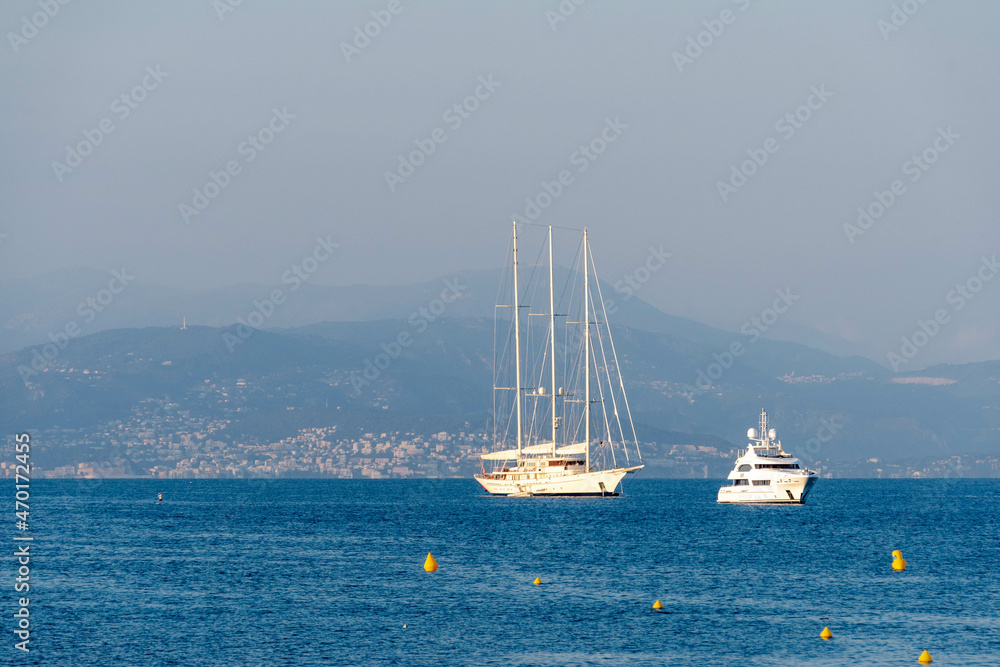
column 765, row 473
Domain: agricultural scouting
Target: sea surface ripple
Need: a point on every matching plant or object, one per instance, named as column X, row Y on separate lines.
column 318, row 572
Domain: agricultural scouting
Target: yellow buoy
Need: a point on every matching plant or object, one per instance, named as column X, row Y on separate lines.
column 430, row 564
column 826, row 634
column 898, row 564
column 537, row 581
column 925, row 658
column 657, row 605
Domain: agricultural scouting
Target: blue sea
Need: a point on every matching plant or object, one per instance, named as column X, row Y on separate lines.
column 324, row 572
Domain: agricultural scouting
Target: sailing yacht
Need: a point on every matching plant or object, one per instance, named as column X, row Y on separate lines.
column 765, row 473
column 556, row 440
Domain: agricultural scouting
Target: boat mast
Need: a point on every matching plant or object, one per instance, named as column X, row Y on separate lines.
column 586, row 342
column 517, row 344
column 552, row 340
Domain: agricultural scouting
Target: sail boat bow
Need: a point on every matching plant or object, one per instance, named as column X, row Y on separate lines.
column 557, row 441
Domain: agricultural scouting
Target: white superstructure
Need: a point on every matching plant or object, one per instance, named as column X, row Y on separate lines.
column 557, row 441
column 765, row 473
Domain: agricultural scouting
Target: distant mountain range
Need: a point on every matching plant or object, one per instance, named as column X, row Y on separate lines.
column 331, row 373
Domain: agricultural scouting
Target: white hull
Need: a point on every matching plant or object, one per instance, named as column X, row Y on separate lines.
column 595, row 483
column 788, row 492
column 765, row 473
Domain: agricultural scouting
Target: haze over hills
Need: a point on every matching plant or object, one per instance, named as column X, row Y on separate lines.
column 32, row 310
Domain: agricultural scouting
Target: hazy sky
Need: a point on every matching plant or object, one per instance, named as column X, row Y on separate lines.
column 864, row 99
